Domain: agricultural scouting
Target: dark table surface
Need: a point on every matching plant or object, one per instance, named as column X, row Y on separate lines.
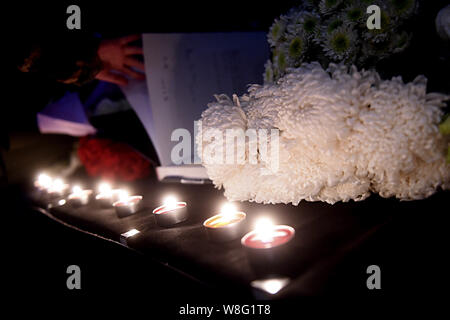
column 333, row 244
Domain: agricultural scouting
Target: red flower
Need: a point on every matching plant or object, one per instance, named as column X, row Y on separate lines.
column 112, row 160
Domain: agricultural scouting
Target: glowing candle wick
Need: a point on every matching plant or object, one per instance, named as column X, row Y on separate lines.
column 105, row 189
column 170, row 203
column 265, row 231
column 44, row 181
column 124, row 197
column 77, row 190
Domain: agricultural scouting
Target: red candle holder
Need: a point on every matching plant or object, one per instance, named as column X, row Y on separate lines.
column 79, row 198
column 270, row 251
column 171, row 214
column 128, row 206
column 107, row 199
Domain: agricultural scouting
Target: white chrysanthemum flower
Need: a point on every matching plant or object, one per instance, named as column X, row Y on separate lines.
column 344, row 134
column 340, row 45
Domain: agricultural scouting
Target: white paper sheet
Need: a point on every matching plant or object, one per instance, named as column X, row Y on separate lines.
column 183, row 73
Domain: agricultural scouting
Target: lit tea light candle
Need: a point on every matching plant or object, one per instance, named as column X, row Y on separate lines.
column 268, row 248
column 127, row 205
column 106, row 195
column 171, row 212
column 225, row 226
column 57, row 188
column 43, row 182
column 267, row 235
column 79, row 197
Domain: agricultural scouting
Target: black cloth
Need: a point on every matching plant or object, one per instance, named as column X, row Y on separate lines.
column 332, row 248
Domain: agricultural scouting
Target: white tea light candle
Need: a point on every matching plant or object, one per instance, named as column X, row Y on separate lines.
column 171, row 212
column 268, row 248
column 226, row 225
column 106, row 195
column 58, row 188
column 79, row 197
column 127, row 205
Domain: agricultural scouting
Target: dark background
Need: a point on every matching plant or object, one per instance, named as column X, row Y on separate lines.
column 39, row 249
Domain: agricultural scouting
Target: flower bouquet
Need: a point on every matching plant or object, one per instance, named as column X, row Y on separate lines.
column 112, row 160
column 336, row 31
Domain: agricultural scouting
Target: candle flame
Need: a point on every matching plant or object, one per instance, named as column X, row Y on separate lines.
column 227, row 214
column 170, row 202
column 104, row 188
column 76, row 190
column 264, row 228
column 57, row 185
column 228, row 209
column 123, row 195
column 44, row 180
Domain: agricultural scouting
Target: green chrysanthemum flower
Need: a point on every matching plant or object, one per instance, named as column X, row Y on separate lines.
column 310, row 24
column 296, row 48
column 328, row 6
column 276, row 32
column 402, row 7
column 354, row 14
column 268, row 72
column 340, row 42
column 281, row 62
column 380, row 35
column 444, row 127
column 340, row 45
column 334, row 24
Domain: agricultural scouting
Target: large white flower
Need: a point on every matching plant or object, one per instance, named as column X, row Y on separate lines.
column 343, row 134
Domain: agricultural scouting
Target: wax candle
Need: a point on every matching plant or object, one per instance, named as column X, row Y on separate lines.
column 268, row 248
column 57, row 188
column 225, row 226
column 171, row 212
column 127, row 205
column 266, row 235
column 79, row 197
column 43, row 182
column 106, row 195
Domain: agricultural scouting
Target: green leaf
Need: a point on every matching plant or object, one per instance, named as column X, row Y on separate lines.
column 444, row 127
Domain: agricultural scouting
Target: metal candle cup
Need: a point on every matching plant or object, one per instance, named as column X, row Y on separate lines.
column 79, row 198
column 225, row 226
column 128, row 206
column 269, row 251
column 43, row 183
column 170, row 214
column 58, row 189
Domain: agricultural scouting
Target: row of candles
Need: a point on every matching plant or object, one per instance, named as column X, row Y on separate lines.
column 262, row 242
